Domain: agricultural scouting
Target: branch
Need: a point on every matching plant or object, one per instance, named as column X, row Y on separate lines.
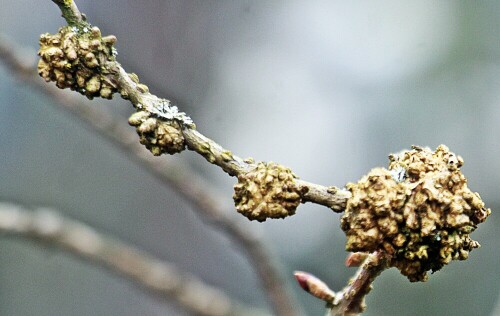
column 163, row 279
column 396, row 214
column 70, row 12
column 351, row 299
column 214, row 153
column 189, row 185
column 90, row 68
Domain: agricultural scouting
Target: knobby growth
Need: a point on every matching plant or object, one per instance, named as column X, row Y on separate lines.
column 420, row 212
column 417, row 215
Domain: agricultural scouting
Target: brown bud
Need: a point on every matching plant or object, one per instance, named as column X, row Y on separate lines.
column 314, row 286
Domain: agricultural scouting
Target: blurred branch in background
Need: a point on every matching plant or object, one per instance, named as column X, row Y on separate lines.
column 191, row 186
column 47, row 226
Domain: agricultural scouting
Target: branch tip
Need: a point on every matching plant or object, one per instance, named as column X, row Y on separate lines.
column 315, row 286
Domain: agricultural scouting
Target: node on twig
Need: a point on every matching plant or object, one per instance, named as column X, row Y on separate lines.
column 420, row 212
column 268, row 191
column 75, row 57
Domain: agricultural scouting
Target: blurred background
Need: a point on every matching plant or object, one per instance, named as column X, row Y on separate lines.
column 327, row 88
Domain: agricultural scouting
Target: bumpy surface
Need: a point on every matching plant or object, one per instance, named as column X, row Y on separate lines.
column 158, row 135
column 420, row 211
column 268, row 191
column 74, row 59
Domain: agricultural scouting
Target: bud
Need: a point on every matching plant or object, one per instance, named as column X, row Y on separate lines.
column 314, row 286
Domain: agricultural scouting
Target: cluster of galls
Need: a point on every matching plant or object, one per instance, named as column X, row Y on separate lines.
column 158, row 135
column 74, row 59
column 268, row 191
column 420, row 212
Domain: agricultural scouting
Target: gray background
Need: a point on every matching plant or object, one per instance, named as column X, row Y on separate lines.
column 328, row 88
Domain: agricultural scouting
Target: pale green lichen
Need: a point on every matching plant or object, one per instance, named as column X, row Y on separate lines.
column 249, row 160
column 267, row 191
column 205, row 150
column 142, row 88
column 227, row 156
column 420, row 212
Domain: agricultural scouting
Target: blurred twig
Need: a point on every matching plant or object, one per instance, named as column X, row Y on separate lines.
column 163, row 279
column 192, row 187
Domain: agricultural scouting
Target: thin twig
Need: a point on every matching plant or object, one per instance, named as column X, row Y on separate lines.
column 191, row 186
column 163, row 279
column 351, row 300
column 214, row 153
column 70, row 11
